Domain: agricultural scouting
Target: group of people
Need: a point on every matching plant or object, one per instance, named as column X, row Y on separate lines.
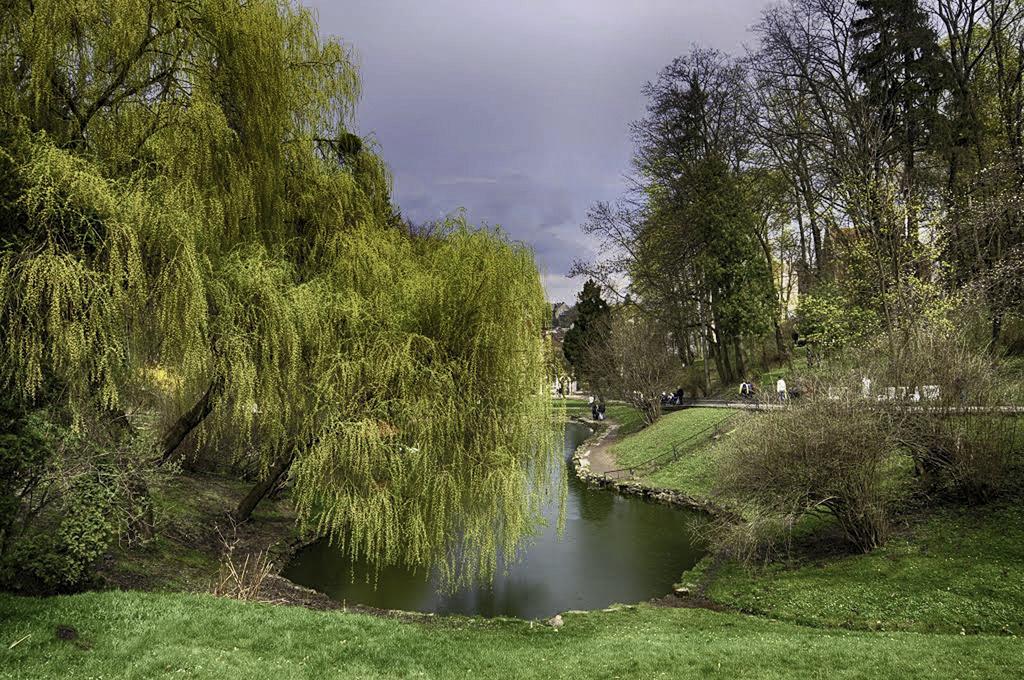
column 596, row 409
column 748, row 390
column 673, row 399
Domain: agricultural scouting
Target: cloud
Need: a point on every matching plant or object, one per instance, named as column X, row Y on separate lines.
column 517, row 111
column 560, row 288
column 448, row 181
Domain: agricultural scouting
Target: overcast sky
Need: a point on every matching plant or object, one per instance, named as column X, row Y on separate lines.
column 518, row 110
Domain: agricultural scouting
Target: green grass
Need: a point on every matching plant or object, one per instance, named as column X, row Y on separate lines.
column 136, row 635
column 694, row 473
column 948, row 569
column 628, row 418
column 679, row 427
column 957, row 569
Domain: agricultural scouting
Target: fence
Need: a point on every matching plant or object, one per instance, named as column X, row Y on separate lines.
column 650, row 465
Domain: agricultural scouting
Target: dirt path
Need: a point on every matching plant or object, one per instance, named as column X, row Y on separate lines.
column 598, row 456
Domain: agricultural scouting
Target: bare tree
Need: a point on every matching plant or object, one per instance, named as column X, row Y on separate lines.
column 635, row 362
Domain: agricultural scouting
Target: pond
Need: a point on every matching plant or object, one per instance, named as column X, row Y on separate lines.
column 614, row 549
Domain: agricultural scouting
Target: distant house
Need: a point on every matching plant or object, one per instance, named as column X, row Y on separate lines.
column 562, row 315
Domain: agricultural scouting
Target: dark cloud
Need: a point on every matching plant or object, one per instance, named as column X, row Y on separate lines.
column 517, row 111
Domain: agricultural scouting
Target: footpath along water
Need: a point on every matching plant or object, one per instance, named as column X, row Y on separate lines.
column 613, row 549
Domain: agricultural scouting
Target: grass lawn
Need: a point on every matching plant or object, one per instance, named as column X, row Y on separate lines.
column 691, row 428
column 628, row 418
column 139, row 635
column 957, row 569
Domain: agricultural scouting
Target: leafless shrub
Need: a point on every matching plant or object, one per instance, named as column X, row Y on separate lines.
column 970, row 456
column 931, row 373
column 918, row 410
column 754, row 534
column 951, row 402
column 822, row 456
column 241, row 578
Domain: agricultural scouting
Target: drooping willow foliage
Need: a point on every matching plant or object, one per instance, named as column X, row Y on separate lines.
column 424, row 410
column 180, row 191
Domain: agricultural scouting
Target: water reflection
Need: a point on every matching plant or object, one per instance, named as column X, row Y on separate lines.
column 613, row 549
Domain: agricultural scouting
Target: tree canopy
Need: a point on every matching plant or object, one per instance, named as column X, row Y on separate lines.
column 869, row 147
column 187, row 211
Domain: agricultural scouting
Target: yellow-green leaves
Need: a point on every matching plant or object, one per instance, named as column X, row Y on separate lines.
column 182, row 211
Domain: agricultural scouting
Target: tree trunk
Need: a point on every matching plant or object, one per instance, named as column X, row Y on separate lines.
column 741, row 365
column 997, row 326
column 188, row 421
column 260, row 490
column 716, row 355
column 704, row 360
column 725, row 370
column 780, row 342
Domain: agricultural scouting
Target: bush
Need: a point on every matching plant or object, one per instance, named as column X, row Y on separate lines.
column 970, row 457
column 819, row 456
column 923, row 397
column 24, row 459
column 949, row 401
column 932, row 376
column 65, row 495
column 62, row 557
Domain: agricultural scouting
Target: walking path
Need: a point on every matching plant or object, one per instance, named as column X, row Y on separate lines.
column 914, row 408
column 598, row 457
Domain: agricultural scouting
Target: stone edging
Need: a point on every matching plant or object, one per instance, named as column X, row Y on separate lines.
column 671, row 497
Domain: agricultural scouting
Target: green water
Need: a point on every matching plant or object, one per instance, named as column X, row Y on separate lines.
column 613, row 549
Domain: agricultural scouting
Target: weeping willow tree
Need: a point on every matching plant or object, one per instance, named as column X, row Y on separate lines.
column 184, row 196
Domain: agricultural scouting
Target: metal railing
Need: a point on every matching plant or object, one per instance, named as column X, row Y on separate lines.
column 652, row 464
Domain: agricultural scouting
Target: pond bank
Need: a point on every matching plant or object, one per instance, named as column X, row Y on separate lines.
column 593, row 460
column 611, row 548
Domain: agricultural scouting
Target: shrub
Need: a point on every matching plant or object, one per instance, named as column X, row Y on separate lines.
column 65, row 495
column 62, row 557
column 241, row 578
column 969, row 456
column 931, row 375
column 949, row 399
column 24, row 459
column 819, row 456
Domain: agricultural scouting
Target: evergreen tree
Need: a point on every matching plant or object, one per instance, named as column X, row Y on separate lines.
column 588, row 330
column 901, row 65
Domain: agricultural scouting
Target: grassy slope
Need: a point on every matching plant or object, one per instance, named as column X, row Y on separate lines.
column 956, row 569
column 693, row 471
column 156, row 635
column 951, row 570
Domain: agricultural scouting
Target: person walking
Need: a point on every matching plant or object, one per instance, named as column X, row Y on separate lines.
column 780, row 389
column 747, row 389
